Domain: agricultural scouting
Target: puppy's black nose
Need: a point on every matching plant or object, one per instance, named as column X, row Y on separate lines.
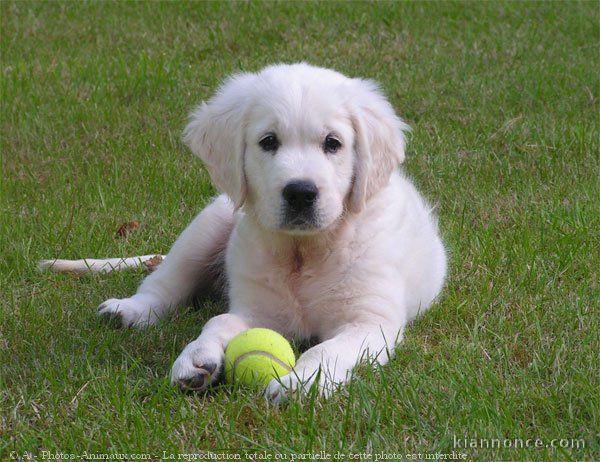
column 300, row 195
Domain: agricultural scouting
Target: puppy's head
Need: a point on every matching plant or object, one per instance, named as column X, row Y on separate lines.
column 297, row 145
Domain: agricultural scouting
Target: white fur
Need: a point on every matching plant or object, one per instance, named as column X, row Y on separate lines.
column 374, row 262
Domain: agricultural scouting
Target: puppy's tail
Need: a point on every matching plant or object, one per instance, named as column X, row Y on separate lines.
column 107, row 265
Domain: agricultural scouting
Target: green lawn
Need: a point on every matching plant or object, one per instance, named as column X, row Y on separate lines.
column 503, row 101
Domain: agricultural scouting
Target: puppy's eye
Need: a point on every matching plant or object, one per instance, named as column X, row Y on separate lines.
column 331, row 144
column 269, row 143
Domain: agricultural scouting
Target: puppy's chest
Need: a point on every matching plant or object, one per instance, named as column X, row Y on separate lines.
column 303, row 292
column 308, row 277
column 308, row 280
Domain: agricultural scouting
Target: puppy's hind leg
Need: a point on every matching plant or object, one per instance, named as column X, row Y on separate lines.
column 187, row 268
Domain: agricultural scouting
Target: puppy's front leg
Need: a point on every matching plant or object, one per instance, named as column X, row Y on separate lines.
column 201, row 361
column 331, row 362
column 187, row 266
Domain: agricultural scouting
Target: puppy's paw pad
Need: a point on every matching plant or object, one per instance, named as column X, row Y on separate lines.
column 195, row 370
column 201, row 380
column 197, row 382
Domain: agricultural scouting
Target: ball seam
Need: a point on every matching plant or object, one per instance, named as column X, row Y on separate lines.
column 264, row 354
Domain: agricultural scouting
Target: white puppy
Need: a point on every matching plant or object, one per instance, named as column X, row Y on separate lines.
column 317, row 232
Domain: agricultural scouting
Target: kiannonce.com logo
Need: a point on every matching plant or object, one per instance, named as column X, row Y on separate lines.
column 517, row 443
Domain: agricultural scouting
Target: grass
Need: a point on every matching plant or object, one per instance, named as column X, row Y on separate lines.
column 503, row 101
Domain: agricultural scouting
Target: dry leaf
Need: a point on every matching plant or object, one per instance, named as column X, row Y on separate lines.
column 127, row 228
column 153, row 262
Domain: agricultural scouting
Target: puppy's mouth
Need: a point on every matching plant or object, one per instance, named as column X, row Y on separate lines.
column 300, row 222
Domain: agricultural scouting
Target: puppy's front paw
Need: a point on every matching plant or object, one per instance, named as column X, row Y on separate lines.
column 132, row 312
column 300, row 382
column 279, row 390
column 197, row 367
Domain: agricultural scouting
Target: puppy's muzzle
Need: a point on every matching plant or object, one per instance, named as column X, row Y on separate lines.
column 299, row 198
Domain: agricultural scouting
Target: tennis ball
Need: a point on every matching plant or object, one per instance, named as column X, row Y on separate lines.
column 257, row 356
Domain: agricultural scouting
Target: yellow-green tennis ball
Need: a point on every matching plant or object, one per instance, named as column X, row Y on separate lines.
column 257, row 356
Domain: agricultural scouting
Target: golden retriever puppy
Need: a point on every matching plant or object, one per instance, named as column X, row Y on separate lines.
column 317, row 231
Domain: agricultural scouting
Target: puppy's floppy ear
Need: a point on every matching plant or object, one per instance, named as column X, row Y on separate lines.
column 379, row 142
column 216, row 133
